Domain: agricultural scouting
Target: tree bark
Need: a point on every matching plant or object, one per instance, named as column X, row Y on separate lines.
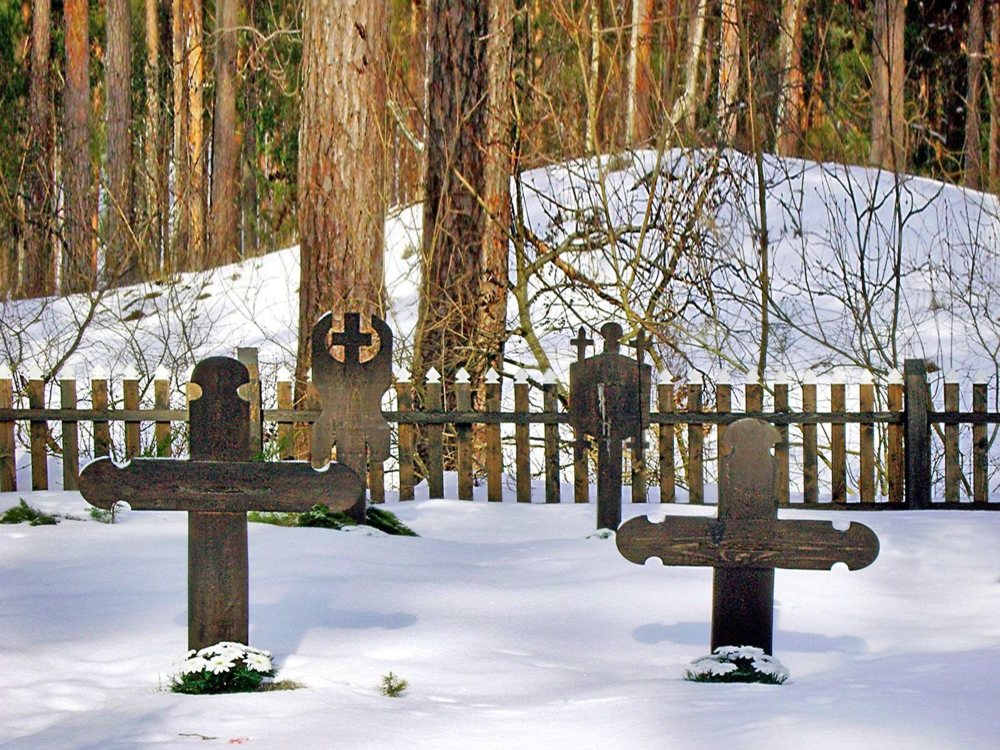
column 685, row 109
column 888, row 126
column 791, row 96
column 342, row 164
column 79, row 262
column 973, row 155
column 154, row 169
column 122, row 261
column 639, row 125
column 729, row 71
column 994, row 50
column 225, row 231
column 38, row 266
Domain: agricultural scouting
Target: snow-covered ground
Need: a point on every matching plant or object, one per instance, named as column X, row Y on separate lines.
column 513, row 629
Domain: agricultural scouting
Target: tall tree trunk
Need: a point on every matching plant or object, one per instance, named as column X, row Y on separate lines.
column 729, row 70
column 79, row 264
column 181, row 239
column 973, row 162
column 491, row 327
column 189, row 141
column 154, row 168
column 594, row 79
column 225, row 234
column 888, row 134
column 638, row 123
column 38, row 266
column 671, row 43
column 122, row 261
column 791, row 96
column 994, row 50
column 454, row 217
column 685, row 109
column 342, row 164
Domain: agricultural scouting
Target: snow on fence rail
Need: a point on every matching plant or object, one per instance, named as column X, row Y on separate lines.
column 869, row 458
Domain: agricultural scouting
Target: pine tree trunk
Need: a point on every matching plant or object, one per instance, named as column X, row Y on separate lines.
column 122, row 251
column 342, row 164
column 225, row 234
column 78, row 260
column 594, row 80
column 685, row 109
column 888, row 135
column 994, row 148
column 638, row 126
column 180, row 241
column 38, row 266
column 154, row 249
column 454, row 216
column 791, row 96
column 194, row 23
column 189, row 143
column 729, row 71
column 973, row 156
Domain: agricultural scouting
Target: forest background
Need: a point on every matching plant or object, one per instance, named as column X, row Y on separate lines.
column 146, row 138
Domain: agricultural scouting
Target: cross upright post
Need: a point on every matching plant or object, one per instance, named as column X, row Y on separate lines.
column 746, row 542
column 217, row 486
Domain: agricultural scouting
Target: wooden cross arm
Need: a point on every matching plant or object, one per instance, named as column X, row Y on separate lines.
column 219, row 487
column 801, row 545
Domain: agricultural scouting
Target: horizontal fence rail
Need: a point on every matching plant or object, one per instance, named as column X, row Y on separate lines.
column 870, row 458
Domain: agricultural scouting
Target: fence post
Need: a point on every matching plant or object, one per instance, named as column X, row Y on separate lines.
column 99, row 401
column 550, row 404
column 8, row 464
column 980, row 444
column 39, row 433
column 522, row 446
column 130, row 401
column 463, row 434
column 70, row 433
column 494, row 456
column 161, row 400
column 696, row 439
column 918, row 434
column 286, row 430
column 247, row 355
column 435, row 436
column 406, row 439
column 665, row 404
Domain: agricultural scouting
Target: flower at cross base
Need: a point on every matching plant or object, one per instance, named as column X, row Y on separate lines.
column 257, row 662
column 219, row 664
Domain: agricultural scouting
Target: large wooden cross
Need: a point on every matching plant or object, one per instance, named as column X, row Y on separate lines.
column 746, row 542
column 217, row 487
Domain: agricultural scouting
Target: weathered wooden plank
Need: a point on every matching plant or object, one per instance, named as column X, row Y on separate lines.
column 406, row 441
column 463, row 439
column 638, row 449
column 838, row 446
column 781, row 450
column 522, row 446
column 980, row 448
column 435, row 443
column 218, row 486
column 130, row 400
column 102, row 431
column 896, row 465
column 70, row 435
column 8, row 464
column 952, row 457
column 665, row 403
column 918, row 434
column 723, row 405
column 550, row 403
column 38, row 436
column 581, row 470
column 494, row 451
column 696, row 450
column 810, row 454
column 162, row 430
column 866, row 445
column 286, row 434
column 248, row 357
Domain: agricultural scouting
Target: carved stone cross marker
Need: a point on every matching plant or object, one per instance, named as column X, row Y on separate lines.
column 217, row 487
column 351, row 392
column 747, row 541
column 609, row 401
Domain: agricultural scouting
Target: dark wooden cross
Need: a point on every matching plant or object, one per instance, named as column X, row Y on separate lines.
column 351, row 394
column 581, row 342
column 217, row 487
column 609, row 401
column 746, row 542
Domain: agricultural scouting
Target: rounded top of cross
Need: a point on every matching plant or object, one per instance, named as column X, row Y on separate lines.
column 612, row 335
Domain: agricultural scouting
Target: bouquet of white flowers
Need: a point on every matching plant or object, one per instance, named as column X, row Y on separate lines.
column 737, row 664
column 226, row 667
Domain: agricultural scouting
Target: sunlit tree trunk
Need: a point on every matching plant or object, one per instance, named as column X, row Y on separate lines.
column 973, row 156
column 638, row 123
column 729, row 70
column 122, row 261
column 225, row 225
column 790, row 98
column 78, row 259
column 38, row 265
column 153, row 172
column 888, row 126
column 685, row 109
column 189, row 141
column 994, row 52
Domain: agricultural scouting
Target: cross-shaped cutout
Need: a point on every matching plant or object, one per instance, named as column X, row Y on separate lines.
column 746, row 542
column 581, row 342
column 217, row 487
column 351, row 338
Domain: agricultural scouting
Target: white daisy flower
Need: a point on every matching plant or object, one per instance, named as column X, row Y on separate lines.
column 193, row 664
column 219, row 664
column 258, row 662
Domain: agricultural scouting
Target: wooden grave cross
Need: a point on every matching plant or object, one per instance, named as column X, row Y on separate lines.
column 746, row 542
column 609, row 401
column 217, row 486
column 351, row 392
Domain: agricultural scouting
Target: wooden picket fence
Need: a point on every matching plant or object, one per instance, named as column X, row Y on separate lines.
column 863, row 459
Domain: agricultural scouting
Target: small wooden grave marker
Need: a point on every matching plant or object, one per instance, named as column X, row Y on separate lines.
column 351, row 392
column 747, row 541
column 608, row 401
column 217, row 486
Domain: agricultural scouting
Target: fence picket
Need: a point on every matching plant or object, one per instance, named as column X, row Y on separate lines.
column 781, row 451
column 896, row 457
column 550, row 403
column 407, row 440
column 696, row 451
column 838, row 445
column 952, row 458
column 102, row 430
column 463, row 432
column 980, row 446
column 435, row 440
column 522, row 448
column 665, row 404
column 162, row 430
column 810, row 453
column 866, row 444
column 130, row 400
column 8, row 463
column 70, row 435
column 38, row 433
column 494, row 453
